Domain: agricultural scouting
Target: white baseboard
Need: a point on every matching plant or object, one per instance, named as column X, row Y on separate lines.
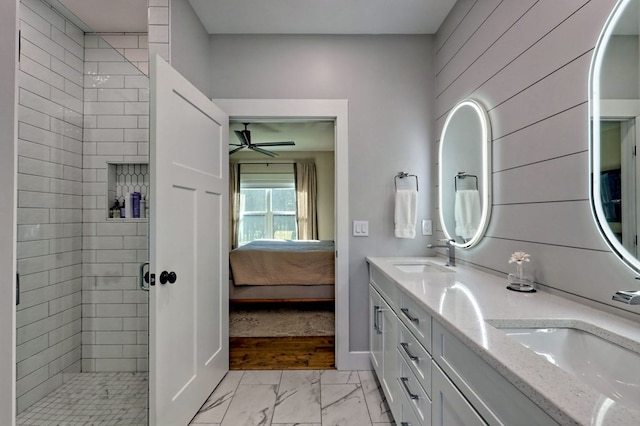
column 355, row 361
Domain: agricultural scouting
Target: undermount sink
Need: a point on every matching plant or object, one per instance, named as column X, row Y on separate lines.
column 420, row 267
column 606, row 366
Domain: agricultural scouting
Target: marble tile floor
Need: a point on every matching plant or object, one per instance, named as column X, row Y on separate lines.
column 296, row 397
column 92, row 399
column 243, row 398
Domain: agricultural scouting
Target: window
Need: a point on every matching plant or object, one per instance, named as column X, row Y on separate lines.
column 267, row 207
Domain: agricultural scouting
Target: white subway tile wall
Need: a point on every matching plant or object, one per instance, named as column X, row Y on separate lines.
column 159, row 34
column 116, row 130
column 81, row 105
column 49, row 323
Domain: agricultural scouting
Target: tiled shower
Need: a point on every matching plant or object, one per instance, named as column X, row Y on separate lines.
column 83, row 140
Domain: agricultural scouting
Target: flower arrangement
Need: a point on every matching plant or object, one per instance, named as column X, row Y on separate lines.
column 519, row 281
column 519, row 257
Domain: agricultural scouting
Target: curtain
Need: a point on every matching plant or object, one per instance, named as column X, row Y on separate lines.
column 234, row 204
column 306, row 201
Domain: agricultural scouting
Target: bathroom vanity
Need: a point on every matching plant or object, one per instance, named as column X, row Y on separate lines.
column 445, row 345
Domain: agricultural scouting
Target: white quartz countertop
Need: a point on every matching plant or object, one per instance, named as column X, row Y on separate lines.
column 466, row 302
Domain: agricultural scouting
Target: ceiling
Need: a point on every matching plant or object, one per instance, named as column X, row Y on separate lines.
column 106, row 16
column 322, row 16
column 274, row 16
column 317, row 135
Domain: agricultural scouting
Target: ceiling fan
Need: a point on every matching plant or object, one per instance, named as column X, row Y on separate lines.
column 245, row 142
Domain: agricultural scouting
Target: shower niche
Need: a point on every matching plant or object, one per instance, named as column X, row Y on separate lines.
column 127, row 191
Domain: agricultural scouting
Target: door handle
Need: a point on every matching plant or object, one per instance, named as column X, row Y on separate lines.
column 144, row 277
column 170, row 277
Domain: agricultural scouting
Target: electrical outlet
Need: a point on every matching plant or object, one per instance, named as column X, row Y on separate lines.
column 427, row 227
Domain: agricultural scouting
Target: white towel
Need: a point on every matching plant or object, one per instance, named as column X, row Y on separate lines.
column 405, row 213
column 467, row 212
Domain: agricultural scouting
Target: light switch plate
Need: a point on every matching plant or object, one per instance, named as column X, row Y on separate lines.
column 427, row 227
column 360, row 228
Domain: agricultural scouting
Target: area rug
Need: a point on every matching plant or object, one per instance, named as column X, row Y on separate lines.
column 269, row 320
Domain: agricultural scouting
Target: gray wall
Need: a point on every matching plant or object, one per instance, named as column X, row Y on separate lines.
column 190, row 45
column 528, row 63
column 388, row 82
column 620, row 69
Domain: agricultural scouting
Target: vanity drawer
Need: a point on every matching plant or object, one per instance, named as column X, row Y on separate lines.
column 416, row 318
column 416, row 357
column 493, row 396
column 387, row 288
column 413, row 395
column 449, row 406
column 409, row 417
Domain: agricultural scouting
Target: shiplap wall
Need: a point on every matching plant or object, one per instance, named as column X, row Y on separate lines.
column 528, row 62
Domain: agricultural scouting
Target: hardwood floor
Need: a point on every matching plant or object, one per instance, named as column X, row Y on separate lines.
column 282, row 353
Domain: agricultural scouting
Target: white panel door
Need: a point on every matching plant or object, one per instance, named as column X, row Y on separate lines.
column 188, row 319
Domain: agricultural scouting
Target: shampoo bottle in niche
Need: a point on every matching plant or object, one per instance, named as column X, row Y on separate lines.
column 122, row 209
column 127, row 206
column 114, row 212
column 147, row 204
column 143, row 206
column 135, row 204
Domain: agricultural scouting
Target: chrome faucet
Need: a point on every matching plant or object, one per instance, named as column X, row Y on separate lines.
column 451, row 250
column 630, row 297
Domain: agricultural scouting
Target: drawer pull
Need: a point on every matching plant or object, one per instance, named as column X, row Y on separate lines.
column 404, row 381
column 405, row 346
column 376, row 319
column 406, row 313
column 405, row 424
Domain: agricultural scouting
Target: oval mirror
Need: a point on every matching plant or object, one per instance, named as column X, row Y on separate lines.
column 614, row 100
column 464, row 193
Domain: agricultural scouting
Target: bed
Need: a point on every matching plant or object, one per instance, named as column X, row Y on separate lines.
column 282, row 270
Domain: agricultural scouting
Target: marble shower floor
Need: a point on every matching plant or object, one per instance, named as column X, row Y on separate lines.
column 296, row 397
column 92, row 399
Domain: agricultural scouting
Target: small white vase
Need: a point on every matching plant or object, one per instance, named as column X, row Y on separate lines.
column 519, row 280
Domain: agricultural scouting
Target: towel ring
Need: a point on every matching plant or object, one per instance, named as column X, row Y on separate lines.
column 463, row 175
column 402, row 175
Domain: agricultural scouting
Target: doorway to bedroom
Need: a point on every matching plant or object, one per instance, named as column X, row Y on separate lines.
column 282, row 268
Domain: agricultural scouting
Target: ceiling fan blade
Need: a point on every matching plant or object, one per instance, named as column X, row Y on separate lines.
column 235, row 150
column 263, row 151
column 244, row 136
column 285, row 143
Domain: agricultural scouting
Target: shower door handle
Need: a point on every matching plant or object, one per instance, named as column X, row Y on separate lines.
column 144, row 276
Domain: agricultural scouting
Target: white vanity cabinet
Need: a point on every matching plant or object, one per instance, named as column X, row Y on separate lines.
column 400, row 359
column 430, row 376
column 382, row 338
column 493, row 397
column 449, row 405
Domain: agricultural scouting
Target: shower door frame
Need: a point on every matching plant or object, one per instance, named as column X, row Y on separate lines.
column 8, row 194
